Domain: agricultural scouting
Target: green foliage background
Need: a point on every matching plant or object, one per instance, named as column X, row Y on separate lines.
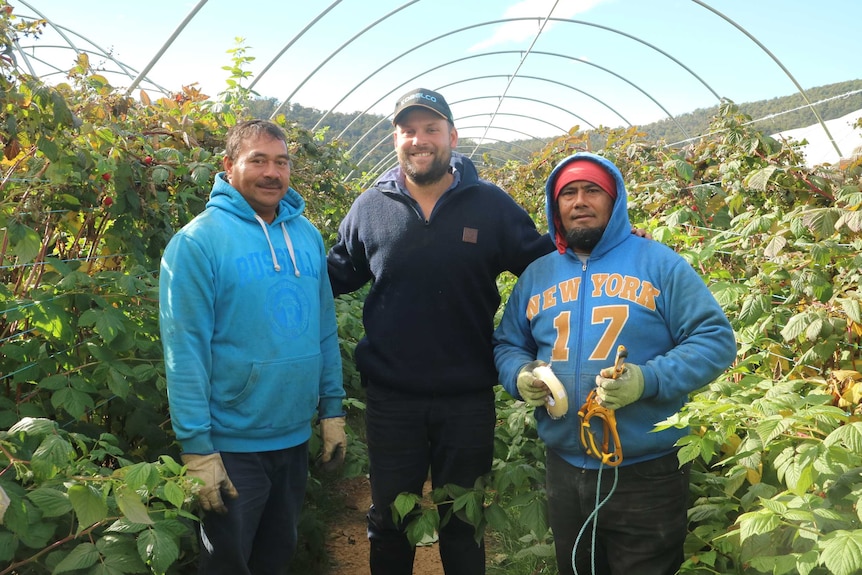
column 93, row 183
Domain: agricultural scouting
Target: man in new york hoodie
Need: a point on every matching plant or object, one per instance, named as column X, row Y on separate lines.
column 604, row 287
column 251, row 353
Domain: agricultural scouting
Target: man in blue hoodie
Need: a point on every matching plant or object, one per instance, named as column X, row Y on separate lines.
column 571, row 309
column 251, row 353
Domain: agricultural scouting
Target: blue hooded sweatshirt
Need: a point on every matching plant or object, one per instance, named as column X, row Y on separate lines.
column 632, row 291
column 248, row 327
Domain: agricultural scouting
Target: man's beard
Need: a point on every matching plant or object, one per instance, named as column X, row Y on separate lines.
column 438, row 168
column 584, row 239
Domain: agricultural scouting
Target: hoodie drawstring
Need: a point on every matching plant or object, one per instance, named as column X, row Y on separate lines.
column 287, row 242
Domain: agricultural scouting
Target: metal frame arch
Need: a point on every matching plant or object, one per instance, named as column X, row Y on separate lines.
column 459, row 128
column 57, row 70
column 328, row 58
column 780, row 65
column 62, row 31
column 164, row 48
column 293, row 40
column 527, row 77
column 587, row 122
column 506, row 20
column 456, row 60
column 525, row 116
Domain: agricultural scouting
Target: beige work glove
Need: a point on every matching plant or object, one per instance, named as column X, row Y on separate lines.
column 334, row 442
column 210, row 469
column 532, row 393
column 4, row 504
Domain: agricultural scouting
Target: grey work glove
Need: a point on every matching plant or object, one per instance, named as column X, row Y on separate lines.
column 334, row 442
column 210, row 469
column 627, row 388
column 532, row 390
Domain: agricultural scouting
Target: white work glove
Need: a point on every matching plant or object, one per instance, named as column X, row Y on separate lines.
column 334, row 442
column 627, row 388
column 210, row 469
column 533, row 391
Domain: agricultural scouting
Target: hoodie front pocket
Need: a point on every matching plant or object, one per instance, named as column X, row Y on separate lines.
column 277, row 394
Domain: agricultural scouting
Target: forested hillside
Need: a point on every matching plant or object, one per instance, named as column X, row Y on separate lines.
column 772, row 116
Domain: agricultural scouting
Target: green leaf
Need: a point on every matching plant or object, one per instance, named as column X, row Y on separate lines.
column 403, row 505
column 796, row 326
column 51, row 502
column 821, row 222
column 774, row 246
column 140, row 475
column 424, row 526
column 755, row 307
column 728, row 294
column 174, row 494
column 53, row 453
column 25, row 242
column 772, row 427
column 74, row 402
column 158, row 548
column 535, row 518
column 759, row 180
column 8, row 546
column 107, row 322
column 496, row 517
column 131, row 506
column 120, row 554
column 83, row 556
column 757, row 523
column 35, row 426
column 842, row 552
column 88, row 505
column 852, row 308
column 849, row 435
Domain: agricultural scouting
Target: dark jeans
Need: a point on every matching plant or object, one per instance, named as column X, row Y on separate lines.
column 641, row 529
column 407, row 435
column 257, row 535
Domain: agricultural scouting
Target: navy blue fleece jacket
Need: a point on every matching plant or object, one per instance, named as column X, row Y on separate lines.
column 429, row 314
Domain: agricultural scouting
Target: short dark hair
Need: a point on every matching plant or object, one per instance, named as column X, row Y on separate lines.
column 238, row 133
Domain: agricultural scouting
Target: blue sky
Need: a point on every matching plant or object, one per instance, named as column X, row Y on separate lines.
column 624, row 61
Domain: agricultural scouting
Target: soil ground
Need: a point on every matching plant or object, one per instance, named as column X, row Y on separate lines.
column 347, row 542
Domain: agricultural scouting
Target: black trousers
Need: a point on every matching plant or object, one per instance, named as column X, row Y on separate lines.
column 407, row 435
column 641, row 529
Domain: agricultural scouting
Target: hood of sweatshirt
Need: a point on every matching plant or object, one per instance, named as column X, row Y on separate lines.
column 225, row 197
column 619, row 225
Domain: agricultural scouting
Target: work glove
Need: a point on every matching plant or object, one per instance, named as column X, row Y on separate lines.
column 4, row 504
column 210, row 469
column 627, row 388
column 334, row 442
column 531, row 393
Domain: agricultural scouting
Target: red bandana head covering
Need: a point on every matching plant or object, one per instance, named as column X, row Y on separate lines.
column 577, row 170
column 586, row 170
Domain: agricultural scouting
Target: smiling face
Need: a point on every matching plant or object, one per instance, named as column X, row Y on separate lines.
column 423, row 142
column 585, row 210
column 260, row 171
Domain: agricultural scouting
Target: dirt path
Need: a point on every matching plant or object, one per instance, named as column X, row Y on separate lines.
column 347, row 542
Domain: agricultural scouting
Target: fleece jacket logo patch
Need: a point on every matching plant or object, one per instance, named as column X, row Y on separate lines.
column 470, row 235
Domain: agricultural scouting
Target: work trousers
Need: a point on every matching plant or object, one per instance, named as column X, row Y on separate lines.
column 407, row 435
column 642, row 527
column 257, row 535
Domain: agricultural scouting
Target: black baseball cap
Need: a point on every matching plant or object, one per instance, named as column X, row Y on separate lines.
column 425, row 99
